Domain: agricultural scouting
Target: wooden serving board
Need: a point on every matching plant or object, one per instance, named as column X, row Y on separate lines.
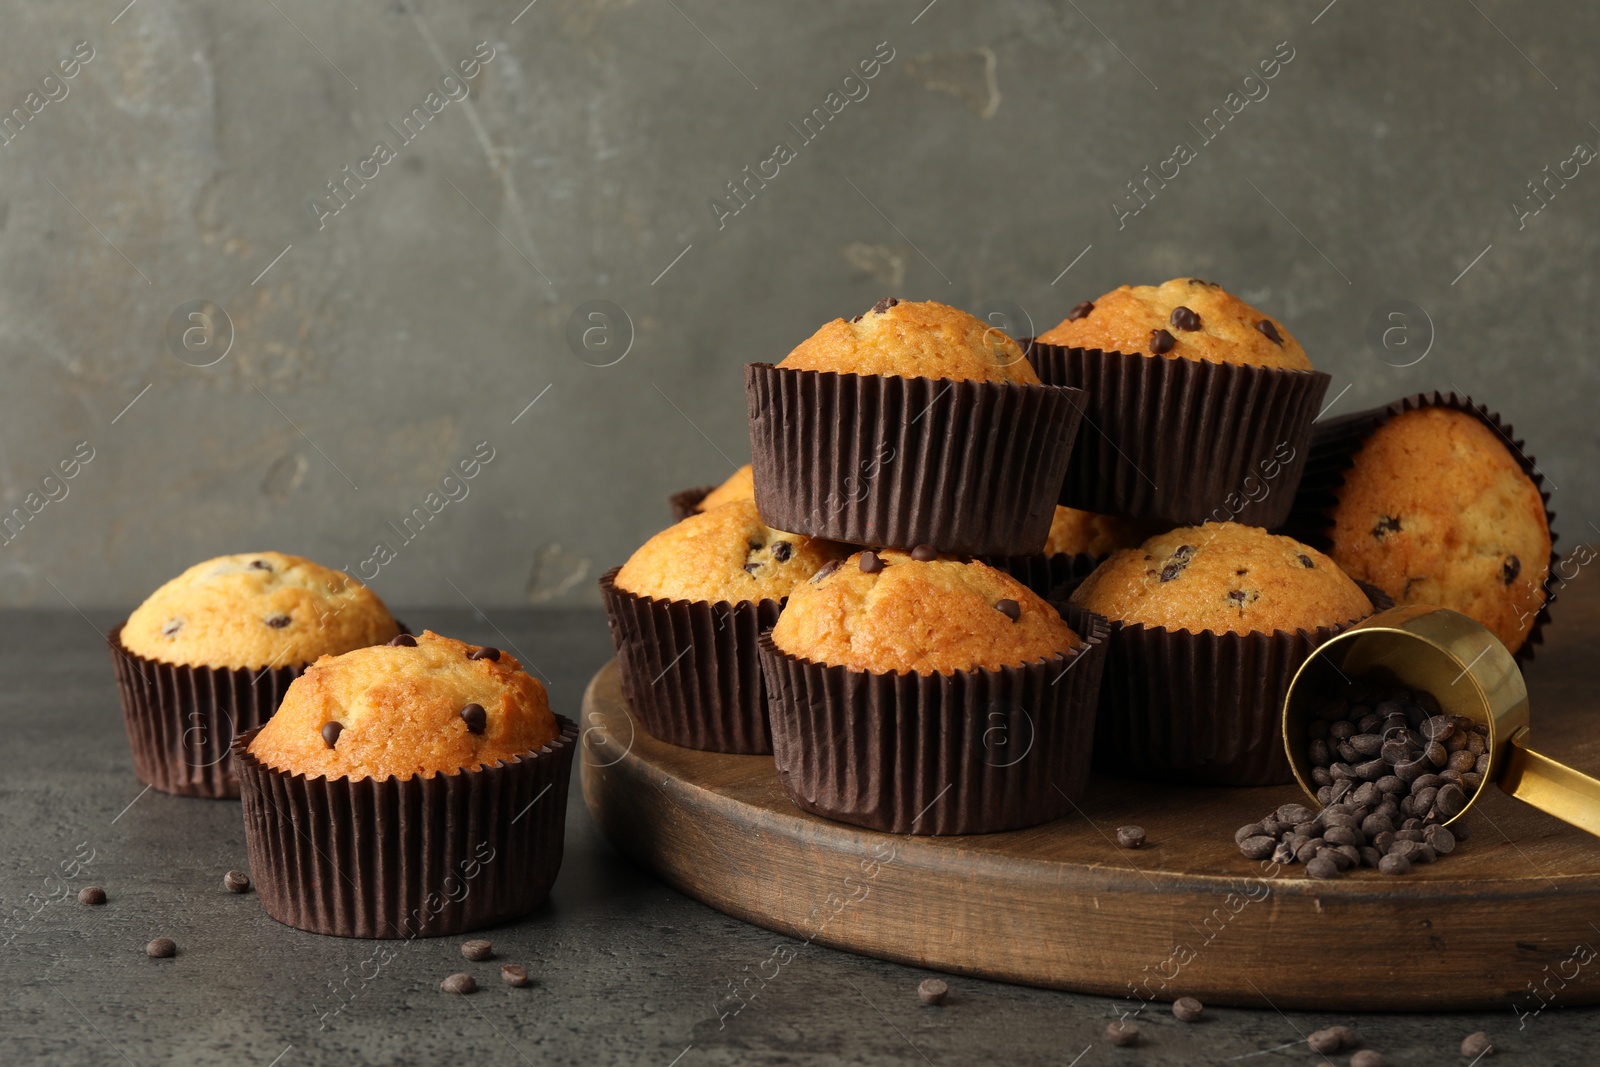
column 1510, row 920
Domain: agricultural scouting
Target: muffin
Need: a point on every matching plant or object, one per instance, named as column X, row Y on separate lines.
column 1201, row 406
column 914, row 693
column 739, row 486
column 1078, row 541
column 417, row 788
column 1433, row 505
column 210, row 653
column 685, row 612
column 1208, row 626
column 851, row 434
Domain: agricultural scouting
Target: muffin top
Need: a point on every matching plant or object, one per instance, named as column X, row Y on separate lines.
column 1436, row 510
column 1185, row 318
column 908, row 339
column 739, row 486
column 1088, row 533
column 1225, row 578
column 727, row 555
column 887, row 612
column 428, row 705
column 257, row 609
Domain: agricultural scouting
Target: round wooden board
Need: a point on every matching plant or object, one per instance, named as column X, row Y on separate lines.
column 1509, row 916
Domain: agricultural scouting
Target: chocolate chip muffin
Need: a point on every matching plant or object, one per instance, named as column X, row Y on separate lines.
column 911, row 339
column 254, row 610
column 418, row 706
column 1437, row 510
column 739, row 486
column 723, row 555
column 894, row 612
column 1185, row 318
column 1223, row 578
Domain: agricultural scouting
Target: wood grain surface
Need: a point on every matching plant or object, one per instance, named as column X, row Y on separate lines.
column 1507, row 921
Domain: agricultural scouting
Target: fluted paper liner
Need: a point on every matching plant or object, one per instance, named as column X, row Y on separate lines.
column 1184, row 440
column 685, row 501
column 971, row 752
column 1046, row 573
column 1203, row 708
column 1334, row 444
column 690, row 669
column 407, row 857
column 968, row 467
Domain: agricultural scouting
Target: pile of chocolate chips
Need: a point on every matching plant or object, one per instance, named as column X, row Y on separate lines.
column 1391, row 768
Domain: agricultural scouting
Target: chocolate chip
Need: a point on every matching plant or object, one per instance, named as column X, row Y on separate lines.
column 1236, row 597
column 932, row 991
column 884, row 305
column 403, row 641
column 1322, row 866
column 278, row 622
column 1202, row 281
column 161, row 948
column 477, row 949
column 460, row 984
column 491, row 654
column 260, row 565
column 1475, row 1045
column 171, row 627
column 1270, row 332
column 1009, row 608
column 1394, row 863
column 1184, row 318
column 92, row 895
column 825, row 570
column 1387, row 525
column 1130, row 836
column 1183, row 552
column 1305, row 561
column 236, row 882
column 1187, row 1009
column 1161, row 342
column 1080, row 311
column 1325, row 1040
column 781, row 551
column 924, row 553
column 515, row 974
column 871, row 562
column 475, row 718
column 1258, row 847
column 331, row 732
column 1122, row 1034
column 1510, row 569
column 751, row 568
column 1170, row 571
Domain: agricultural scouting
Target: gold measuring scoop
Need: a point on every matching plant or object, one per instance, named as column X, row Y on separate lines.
column 1469, row 672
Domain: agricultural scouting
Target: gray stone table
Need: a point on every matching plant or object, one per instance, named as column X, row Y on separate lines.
column 627, row 971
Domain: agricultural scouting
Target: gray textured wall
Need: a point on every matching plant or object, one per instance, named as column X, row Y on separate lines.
column 989, row 154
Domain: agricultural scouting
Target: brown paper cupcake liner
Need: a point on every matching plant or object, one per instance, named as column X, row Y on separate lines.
column 1334, row 444
column 972, row 752
column 684, row 501
column 1203, row 708
column 968, row 467
column 403, row 858
column 690, row 669
column 1184, row 440
column 1044, row 574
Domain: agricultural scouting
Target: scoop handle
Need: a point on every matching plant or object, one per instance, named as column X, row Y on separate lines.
column 1550, row 785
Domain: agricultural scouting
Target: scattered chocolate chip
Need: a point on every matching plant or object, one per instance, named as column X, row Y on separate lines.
column 331, row 732
column 1305, row 561
column 781, row 551
column 278, row 622
column 1161, row 342
column 515, row 974
column 461, row 984
column 1236, row 597
column 1080, row 311
column 884, row 305
column 477, row 949
column 161, row 948
column 871, row 562
column 1122, row 1034
column 1368, row 1057
column 1130, row 836
column 92, row 895
column 1510, row 569
column 236, row 882
column 491, row 654
column 1187, row 1009
column 1270, row 332
column 260, row 565
column 1009, row 608
column 171, row 627
column 856, row 319
column 403, row 641
column 475, row 718
column 1170, row 571
column 825, row 570
column 1475, row 1045
column 924, row 553
column 1184, row 318
column 1387, row 525
column 932, row 991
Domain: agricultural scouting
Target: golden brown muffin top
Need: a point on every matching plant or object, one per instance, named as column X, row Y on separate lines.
column 1088, row 533
column 256, row 609
column 1436, row 510
column 1225, row 578
column 429, row 705
column 888, row 612
column 1185, row 318
column 910, row 339
column 740, row 485
column 727, row 555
